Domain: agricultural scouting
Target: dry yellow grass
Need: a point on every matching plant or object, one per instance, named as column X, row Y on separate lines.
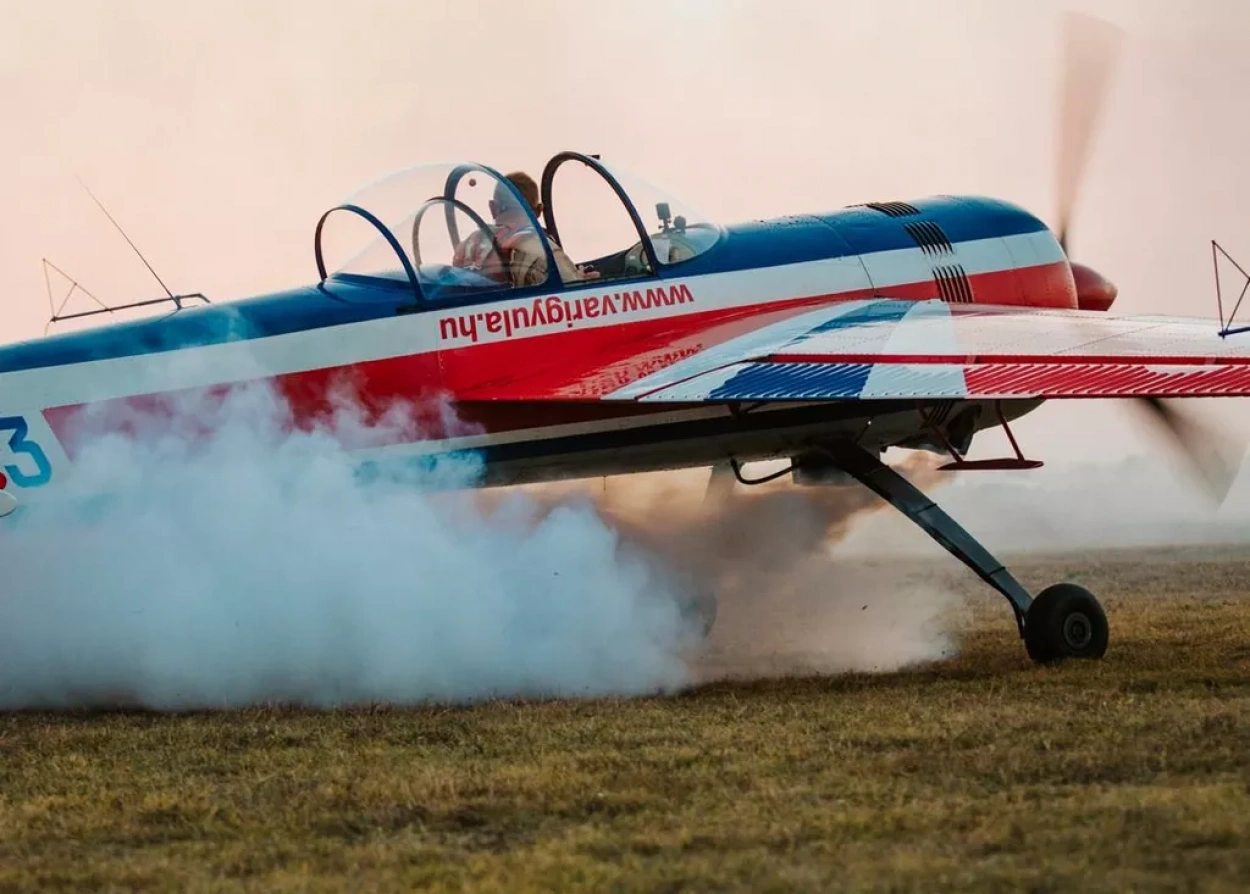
column 981, row 773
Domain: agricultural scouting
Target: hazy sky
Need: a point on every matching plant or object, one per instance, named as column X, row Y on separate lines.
column 218, row 133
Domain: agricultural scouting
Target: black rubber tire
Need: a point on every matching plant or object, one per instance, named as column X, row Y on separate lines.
column 1065, row 621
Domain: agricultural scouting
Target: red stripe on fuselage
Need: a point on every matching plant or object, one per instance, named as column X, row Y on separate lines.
column 1044, row 286
column 586, row 364
column 578, row 364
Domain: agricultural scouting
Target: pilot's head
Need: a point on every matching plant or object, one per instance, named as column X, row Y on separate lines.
column 504, row 204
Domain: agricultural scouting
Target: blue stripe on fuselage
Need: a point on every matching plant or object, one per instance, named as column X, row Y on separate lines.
column 961, row 219
column 268, row 315
column 785, row 240
column 856, row 230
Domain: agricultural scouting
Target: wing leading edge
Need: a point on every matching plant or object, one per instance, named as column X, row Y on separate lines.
column 903, row 349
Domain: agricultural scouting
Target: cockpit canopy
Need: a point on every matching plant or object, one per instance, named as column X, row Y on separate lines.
column 457, row 231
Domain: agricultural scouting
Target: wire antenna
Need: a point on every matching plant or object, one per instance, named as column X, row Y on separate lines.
column 1226, row 326
column 75, row 286
column 172, row 297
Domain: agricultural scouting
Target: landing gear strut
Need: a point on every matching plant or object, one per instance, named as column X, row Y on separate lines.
column 1064, row 621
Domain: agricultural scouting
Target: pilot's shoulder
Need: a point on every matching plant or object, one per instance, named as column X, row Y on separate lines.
column 528, row 239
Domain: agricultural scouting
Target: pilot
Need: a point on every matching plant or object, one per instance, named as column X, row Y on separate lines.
column 524, row 260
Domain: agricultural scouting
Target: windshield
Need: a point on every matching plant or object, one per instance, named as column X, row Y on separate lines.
column 450, row 229
column 455, row 227
column 616, row 223
column 677, row 232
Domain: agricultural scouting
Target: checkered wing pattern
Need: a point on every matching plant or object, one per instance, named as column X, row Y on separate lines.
column 886, row 348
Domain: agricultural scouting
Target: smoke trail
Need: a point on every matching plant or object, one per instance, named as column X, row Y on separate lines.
column 240, row 561
column 785, row 603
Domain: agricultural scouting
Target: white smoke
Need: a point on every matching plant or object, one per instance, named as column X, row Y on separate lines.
column 255, row 565
column 787, row 603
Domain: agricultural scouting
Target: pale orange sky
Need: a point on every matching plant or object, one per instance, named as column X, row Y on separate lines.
column 218, row 133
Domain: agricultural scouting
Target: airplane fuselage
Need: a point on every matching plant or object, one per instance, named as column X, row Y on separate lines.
column 524, row 372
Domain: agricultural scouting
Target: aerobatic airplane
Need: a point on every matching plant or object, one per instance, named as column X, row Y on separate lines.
column 822, row 338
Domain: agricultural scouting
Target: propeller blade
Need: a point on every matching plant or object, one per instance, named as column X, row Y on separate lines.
column 1214, row 455
column 1091, row 48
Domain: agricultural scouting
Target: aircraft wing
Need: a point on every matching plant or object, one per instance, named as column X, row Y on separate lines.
column 904, row 349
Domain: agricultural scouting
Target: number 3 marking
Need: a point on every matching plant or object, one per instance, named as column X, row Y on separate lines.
column 18, row 444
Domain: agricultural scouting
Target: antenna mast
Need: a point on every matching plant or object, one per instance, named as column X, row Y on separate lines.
column 104, row 308
column 176, row 299
column 1226, row 328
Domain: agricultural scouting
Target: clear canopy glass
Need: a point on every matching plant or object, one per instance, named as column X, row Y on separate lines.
column 458, row 229
column 674, row 231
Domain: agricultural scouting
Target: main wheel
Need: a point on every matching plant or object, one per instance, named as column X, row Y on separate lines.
column 1065, row 621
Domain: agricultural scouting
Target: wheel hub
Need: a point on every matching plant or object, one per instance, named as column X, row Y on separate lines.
column 1077, row 630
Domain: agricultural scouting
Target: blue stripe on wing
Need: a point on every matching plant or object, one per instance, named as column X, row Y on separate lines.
column 795, row 381
column 806, row 380
column 838, row 381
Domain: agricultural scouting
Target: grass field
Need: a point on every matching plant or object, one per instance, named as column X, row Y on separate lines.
column 976, row 773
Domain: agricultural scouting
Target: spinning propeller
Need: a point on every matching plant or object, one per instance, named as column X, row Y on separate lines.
column 1091, row 49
